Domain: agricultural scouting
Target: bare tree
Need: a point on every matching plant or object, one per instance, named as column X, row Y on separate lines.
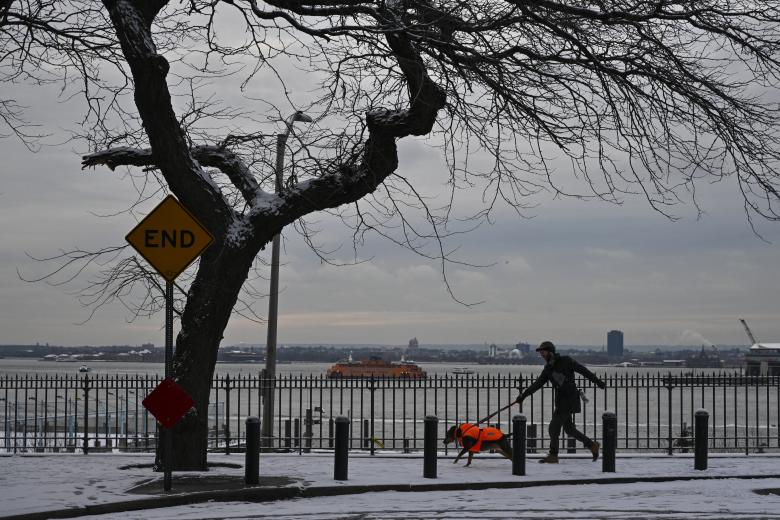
column 644, row 97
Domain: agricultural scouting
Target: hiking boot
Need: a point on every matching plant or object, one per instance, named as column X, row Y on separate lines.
column 594, row 449
column 549, row 459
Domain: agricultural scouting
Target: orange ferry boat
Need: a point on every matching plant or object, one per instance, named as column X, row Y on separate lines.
column 376, row 367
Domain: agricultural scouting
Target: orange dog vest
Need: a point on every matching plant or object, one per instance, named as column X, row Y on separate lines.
column 479, row 435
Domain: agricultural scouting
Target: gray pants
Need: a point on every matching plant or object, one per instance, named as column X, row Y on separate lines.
column 564, row 420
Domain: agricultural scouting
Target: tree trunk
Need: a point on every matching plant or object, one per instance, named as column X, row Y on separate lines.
column 209, row 305
column 225, row 266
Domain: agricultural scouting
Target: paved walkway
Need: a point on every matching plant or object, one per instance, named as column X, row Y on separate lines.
column 68, row 486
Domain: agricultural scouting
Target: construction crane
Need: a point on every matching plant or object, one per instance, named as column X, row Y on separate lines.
column 747, row 329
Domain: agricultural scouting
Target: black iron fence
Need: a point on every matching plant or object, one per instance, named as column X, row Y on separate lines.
column 655, row 411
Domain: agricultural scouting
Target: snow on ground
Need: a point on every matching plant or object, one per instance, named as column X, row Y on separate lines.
column 720, row 499
column 32, row 483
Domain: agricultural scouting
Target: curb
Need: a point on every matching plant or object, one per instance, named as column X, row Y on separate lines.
column 286, row 493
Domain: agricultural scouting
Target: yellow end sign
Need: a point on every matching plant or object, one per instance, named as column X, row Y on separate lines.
column 170, row 238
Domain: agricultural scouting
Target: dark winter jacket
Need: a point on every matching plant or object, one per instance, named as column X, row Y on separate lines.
column 559, row 371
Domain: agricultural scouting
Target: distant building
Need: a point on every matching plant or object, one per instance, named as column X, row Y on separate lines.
column 707, row 358
column 615, row 343
column 524, row 348
column 763, row 359
column 412, row 349
column 492, row 350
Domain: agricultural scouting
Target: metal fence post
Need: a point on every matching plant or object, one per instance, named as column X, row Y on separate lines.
column 288, row 434
column 609, row 429
column 252, row 459
column 518, row 444
column 85, row 445
column 227, row 414
column 372, row 388
column 340, row 468
column 669, row 387
column 308, row 432
column 700, row 438
column 429, row 446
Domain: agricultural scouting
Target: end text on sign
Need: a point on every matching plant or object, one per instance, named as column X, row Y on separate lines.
column 168, row 238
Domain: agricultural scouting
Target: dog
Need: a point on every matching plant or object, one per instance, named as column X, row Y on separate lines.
column 474, row 439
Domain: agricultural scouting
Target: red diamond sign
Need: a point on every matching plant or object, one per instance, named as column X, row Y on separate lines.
column 168, row 402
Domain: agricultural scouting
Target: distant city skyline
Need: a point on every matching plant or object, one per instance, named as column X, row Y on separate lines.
column 470, row 346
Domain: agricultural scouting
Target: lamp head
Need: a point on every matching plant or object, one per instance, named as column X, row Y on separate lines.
column 300, row 116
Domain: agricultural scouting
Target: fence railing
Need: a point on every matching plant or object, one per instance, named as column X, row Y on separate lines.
column 655, row 411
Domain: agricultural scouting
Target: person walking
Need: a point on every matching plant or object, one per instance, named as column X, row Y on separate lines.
column 559, row 370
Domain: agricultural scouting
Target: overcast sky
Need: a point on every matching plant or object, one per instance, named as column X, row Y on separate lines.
column 569, row 274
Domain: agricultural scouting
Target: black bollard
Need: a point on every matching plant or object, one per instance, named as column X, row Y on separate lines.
column 609, row 429
column 340, row 469
column 252, row 460
column 429, row 446
column 700, row 438
column 518, row 444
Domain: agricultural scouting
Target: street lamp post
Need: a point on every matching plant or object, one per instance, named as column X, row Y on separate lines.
column 273, row 297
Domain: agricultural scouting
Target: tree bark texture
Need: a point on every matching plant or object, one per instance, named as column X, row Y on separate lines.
column 209, row 307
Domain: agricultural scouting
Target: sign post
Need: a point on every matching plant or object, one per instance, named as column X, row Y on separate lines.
column 168, row 446
column 170, row 238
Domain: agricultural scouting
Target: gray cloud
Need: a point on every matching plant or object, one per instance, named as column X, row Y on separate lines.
column 571, row 273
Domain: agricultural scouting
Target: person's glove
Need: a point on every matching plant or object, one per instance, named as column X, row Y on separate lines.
column 601, row 384
column 519, row 399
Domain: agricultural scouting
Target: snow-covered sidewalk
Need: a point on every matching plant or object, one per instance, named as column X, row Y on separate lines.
column 48, row 482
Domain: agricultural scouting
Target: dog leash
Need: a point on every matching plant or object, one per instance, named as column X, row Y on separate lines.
column 496, row 413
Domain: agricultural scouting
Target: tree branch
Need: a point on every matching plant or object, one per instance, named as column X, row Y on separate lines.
column 121, row 156
column 206, row 155
column 352, row 179
column 232, row 166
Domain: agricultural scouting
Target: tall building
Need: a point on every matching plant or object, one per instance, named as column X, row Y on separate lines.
column 412, row 348
column 615, row 343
